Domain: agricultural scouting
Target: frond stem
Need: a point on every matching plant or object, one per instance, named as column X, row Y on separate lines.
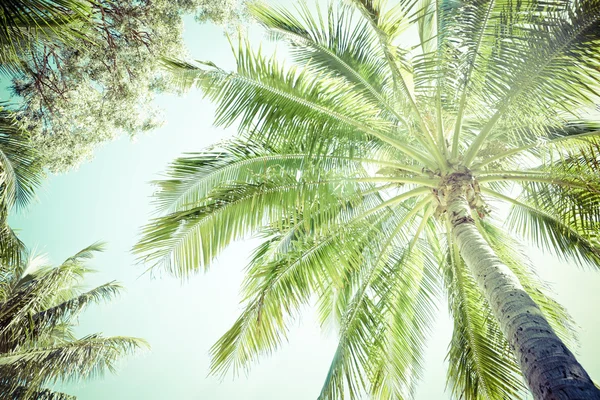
column 543, row 178
column 431, row 183
column 467, row 77
column 517, row 150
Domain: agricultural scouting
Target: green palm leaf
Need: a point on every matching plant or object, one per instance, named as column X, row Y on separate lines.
column 20, row 174
column 551, row 73
column 81, row 359
column 70, row 309
column 278, row 103
column 287, row 268
column 335, row 44
column 20, row 392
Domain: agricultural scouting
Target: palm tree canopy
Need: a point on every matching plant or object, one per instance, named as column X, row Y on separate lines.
column 39, row 306
column 341, row 162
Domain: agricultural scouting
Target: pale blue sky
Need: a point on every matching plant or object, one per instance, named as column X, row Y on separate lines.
column 109, row 199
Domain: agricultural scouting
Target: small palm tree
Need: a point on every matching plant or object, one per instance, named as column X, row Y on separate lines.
column 39, row 306
column 373, row 169
column 20, row 175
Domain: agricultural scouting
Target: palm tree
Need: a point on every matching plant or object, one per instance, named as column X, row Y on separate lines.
column 374, row 168
column 39, row 306
column 27, row 29
column 20, row 175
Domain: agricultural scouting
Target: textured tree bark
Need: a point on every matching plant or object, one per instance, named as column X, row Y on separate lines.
column 550, row 369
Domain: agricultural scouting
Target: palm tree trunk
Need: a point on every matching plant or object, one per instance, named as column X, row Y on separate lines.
column 550, row 369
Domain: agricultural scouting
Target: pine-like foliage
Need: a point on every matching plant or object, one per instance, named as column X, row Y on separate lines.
column 86, row 71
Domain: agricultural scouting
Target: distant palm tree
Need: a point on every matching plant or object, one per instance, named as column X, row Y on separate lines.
column 372, row 169
column 39, row 306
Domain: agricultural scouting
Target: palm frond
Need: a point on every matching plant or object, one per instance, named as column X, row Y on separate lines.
column 286, row 269
column 9, row 391
column 189, row 238
column 31, row 292
column 87, row 357
column 410, row 309
column 291, row 105
column 388, row 22
column 20, row 174
column 383, row 327
column 70, row 309
column 12, row 250
column 552, row 63
column 86, row 253
column 543, row 145
column 475, row 20
column 537, row 217
column 191, row 178
column 559, row 206
column 38, row 312
column 334, row 43
column 36, row 291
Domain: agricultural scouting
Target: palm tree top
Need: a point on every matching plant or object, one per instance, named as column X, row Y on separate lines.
column 346, row 160
column 39, row 307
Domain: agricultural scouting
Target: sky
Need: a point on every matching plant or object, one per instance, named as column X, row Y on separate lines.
column 109, row 199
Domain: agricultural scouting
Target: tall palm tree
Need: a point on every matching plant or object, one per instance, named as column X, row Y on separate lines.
column 376, row 169
column 39, row 306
